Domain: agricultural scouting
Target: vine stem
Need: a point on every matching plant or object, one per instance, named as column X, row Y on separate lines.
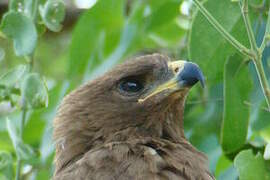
column 257, row 60
column 19, row 161
column 30, row 61
column 251, row 37
column 254, row 53
column 240, row 47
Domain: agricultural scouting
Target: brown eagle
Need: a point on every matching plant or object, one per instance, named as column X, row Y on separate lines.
column 128, row 125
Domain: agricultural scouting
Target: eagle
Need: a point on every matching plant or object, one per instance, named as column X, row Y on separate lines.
column 128, row 124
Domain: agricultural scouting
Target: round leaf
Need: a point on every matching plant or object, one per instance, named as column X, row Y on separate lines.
column 251, row 167
column 21, row 29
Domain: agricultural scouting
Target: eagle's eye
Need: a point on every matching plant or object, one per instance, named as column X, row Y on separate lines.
column 131, row 85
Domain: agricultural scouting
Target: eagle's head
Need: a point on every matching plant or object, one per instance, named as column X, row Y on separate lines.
column 143, row 97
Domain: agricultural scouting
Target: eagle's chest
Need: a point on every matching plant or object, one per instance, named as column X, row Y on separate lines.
column 140, row 161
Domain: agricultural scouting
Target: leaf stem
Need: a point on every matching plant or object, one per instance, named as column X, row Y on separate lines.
column 258, row 51
column 22, row 122
column 18, row 169
column 251, row 37
column 240, row 47
column 23, row 117
column 263, row 80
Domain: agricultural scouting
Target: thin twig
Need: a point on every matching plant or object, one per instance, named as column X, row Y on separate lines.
column 240, row 47
column 250, row 33
column 267, row 33
column 253, row 105
column 263, row 80
column 19, row 162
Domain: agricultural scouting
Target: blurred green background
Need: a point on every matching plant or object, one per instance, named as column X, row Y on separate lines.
column 228, row 120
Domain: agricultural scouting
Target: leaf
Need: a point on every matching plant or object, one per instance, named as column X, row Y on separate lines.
column 27, row 7
column 23, row 151
column 206, row 46
column 13, row 76
column 164, row 13
column 21, row 29
column 16, row 5
column 2, row 54
column 6, row 165
column 251, row 167
column 95, row 36
column 34, row 91
column 237, row 87
column 53, row 13
column 222, row 164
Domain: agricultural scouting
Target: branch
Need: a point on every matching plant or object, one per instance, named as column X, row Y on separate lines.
column 250, row 33
column 258, row 52
column 240, row 47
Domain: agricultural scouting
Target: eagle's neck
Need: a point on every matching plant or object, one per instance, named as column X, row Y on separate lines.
column 74, row 137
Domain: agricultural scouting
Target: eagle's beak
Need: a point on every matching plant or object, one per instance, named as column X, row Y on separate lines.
column 186, row 74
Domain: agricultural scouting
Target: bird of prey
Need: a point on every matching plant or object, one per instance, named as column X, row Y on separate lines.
column 128, row 125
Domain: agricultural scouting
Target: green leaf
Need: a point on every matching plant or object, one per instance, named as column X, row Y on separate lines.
column 21, row 29
column 2, row 54
column 5, row 159
column 6, row 165
column 262, row 115
column 206, row 46
column 237, row 86
column 16, row 5
column 95, row 36
column 23, row 151
column 223, row 164
column 34, row 91
column 251, row 167
column 27, row 7
column 13, row 76
column 165, row 13
column 53, row 13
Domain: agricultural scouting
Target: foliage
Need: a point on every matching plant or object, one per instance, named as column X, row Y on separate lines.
column 228, row 120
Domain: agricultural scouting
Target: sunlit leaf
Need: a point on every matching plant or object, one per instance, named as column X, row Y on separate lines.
column 251, row 166
column 34, row 91
column 53, row 13
column 21, row 29
column 237, row 87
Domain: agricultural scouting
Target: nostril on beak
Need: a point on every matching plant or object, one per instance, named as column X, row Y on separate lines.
column 176, row 69
column 190, row 75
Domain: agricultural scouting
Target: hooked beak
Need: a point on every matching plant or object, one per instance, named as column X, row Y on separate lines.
column 186, row 74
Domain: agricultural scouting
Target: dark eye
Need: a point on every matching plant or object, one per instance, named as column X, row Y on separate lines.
column 131, row 85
